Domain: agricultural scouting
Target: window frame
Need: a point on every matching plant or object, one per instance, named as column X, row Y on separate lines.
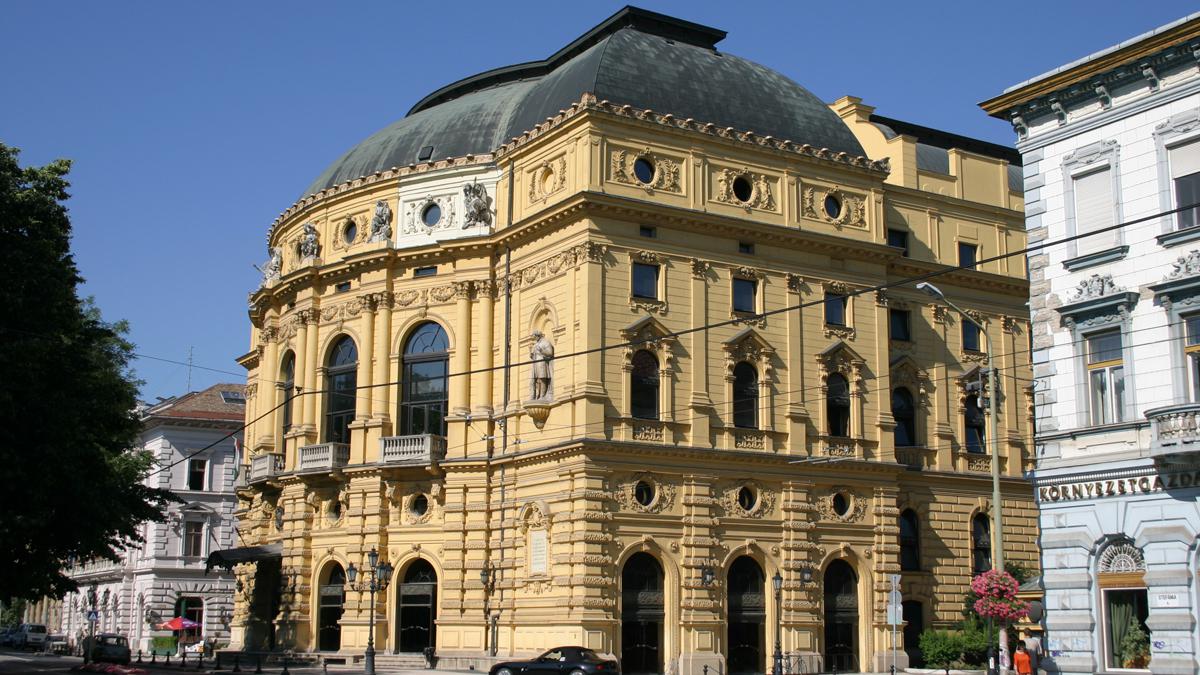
column 652, row 383
column 980, row 447
column 287, row 376
column 336, row 422
column 203, row 473
column 1085, row 161
column 910, row 544
column 186, row 536
column 903, row 234
column 749, row 402
column 1114, row 393
column 979, row 545
column 755, row 289
column 974, row 249
column 831, row 297
column 407, row 405
column 969, row 327
column 912, row 419
column 1191, row 354
column 906, row 315
column 846, row 405
column 633, row 280
column 1178, row 130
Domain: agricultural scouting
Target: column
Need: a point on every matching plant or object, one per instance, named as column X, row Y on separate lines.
column 460, row 383
column 701, row 401
column 797, row 412
column 312, row 365
column 483, row 382
column 265, row 397
column 383, row 357
column 365, row 402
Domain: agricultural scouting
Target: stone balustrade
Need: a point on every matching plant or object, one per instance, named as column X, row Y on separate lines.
column 323, row 456
column 265, row 466
column 416, row 449
column 1176, row 429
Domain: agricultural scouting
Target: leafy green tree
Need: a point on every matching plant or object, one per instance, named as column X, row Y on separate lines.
column 72, row 488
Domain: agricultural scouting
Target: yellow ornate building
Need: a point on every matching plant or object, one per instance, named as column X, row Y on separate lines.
column 690, row 236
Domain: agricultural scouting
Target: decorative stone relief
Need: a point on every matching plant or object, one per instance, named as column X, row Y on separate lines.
column 1095, row 286
column 763, row 505
column 273, row 268
column 701, row 269
column 648, row 432
column 381, row 222
column 858, row 505
column 980, row 463
column 666, row 171
column 414, row 222
column 548, row 178
column 852, row 212
column 761, row 196
column 1091, row 153
column 906, row 373
column 1185, row 266
column 410, row 514
column 442, row 293
column 478, row 206
column 749, row 440
column 664, row 494
column 309, row 247
column 552, row 267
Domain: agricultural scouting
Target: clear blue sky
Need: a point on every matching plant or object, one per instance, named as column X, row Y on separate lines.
column 192, row 125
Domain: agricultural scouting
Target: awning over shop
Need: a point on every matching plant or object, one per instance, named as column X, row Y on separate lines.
column 243, row 554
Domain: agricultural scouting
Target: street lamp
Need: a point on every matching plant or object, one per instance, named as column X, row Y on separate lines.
column 993, row 435
column 777, row 582
column 993, row 440
column 380, row 574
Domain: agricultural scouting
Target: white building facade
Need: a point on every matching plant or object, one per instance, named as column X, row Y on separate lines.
column 1111, row 143
column 166, row 576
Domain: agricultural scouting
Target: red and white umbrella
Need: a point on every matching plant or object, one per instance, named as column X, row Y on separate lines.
column 178, row 623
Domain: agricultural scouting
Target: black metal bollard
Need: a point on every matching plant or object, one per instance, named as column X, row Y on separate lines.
column 258, row 664
column 237, row 662
column 200, row 661
column 706, row 669
column 168, row 660
column 153, row 656
column 325, row 668
column 139, row 656
column 285, row 670
column 183, row 663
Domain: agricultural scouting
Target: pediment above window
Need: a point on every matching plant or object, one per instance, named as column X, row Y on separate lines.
column 1181, row 287
column 747, row 345
column 1097, row 301
column 646, row 328
column 841, row 358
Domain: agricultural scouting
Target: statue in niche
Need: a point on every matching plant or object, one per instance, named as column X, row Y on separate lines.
column 479, row 205
column 309, row 246
column 381, row 223
column 541, row 374
column 274, row 267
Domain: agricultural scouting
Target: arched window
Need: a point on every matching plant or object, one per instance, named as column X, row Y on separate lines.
column 341, row 390
column 905, row 414
column 287, row 375
column 643, row 390
column 976, row 440
column 424, row 394
column 837, row 404
column 981, row 544
column 745, row 396
column 910, row 541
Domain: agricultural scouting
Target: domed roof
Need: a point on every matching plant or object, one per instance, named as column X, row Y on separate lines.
column 636, row 57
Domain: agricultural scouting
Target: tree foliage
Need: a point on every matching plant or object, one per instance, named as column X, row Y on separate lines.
column 72, row 487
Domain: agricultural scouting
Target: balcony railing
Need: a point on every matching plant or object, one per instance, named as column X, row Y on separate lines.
column 265, row 466
column 324, row 456
column 417, row 449
column 1176, row 429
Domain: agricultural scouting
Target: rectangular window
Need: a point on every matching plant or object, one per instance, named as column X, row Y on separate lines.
column 970, row 336
column 648, row 232
column 745, row 292
column 745, row 247
column 197, row 473
column 1106, row 377
column 193, row 539
column 1192, row 350
column 1094, row 211
column 900, row 329
column 835, row 309
column 645, row 281
column 425, row 272
column 1185, row 180
column 1126, row 636
column 899, row 239
column 968, row 254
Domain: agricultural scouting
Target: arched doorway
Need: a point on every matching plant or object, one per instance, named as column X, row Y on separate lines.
column 747, row 617
column 332, row 598
column 416, row 614
column 642, row 613
column 841, row 618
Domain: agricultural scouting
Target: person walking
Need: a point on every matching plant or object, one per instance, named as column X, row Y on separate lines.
column 1021, row 661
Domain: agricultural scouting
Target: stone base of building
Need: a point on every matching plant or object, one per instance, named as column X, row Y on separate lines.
column 882, row 662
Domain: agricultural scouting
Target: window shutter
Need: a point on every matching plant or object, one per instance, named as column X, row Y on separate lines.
column 1094, row 210
column 1185, row 159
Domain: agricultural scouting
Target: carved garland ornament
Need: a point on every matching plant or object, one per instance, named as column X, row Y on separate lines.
column 761, row 196
column 548, row 178
column 853, row 207
column 858, row 506
column 414, row 222
column 763, row 505
column 664, row 494
column 666, row 171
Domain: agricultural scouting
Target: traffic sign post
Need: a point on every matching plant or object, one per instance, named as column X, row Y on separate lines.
column 895, row 613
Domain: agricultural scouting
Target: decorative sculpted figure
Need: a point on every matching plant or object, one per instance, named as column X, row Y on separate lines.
column 381, row 223
column 309, row 246
column 274, row 267
column 541, row 375
column 479, row 205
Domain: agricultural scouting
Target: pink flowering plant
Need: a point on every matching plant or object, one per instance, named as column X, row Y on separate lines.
column 997, row 593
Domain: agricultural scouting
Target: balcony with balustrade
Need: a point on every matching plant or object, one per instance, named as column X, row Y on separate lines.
column 323, row 457
column 416, row 450
column 265, row 466
column 1175, row 431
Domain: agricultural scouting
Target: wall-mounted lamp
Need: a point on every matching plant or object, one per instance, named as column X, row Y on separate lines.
column 806, row 575
column 707, row 576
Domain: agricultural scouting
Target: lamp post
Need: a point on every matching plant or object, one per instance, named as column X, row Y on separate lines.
column 87, row 651
column 380, row 574
column 777, row 582
column 491, row 628
column 993, row 434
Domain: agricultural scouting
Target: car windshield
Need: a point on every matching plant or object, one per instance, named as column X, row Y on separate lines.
column 589, row 655
column 112, row 640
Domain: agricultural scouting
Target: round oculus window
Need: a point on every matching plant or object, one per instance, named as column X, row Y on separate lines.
column 747, row 498
column 644, row 492
column 335, row 510
column 350, row 232
column 643, row 170
column 547, row 182
column 420, row 505
column 431, row 215
column 833, row 206
column 841, row 504
column 742, row 189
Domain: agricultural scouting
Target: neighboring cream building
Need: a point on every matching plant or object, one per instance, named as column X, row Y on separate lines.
column 166, row 576
column 1111, row 139
column 638, row 495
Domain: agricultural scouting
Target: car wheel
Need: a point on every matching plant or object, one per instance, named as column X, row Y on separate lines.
column 578, row 672
column 504, row 671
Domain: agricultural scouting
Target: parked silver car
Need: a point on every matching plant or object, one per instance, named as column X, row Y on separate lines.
column 31, row 636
